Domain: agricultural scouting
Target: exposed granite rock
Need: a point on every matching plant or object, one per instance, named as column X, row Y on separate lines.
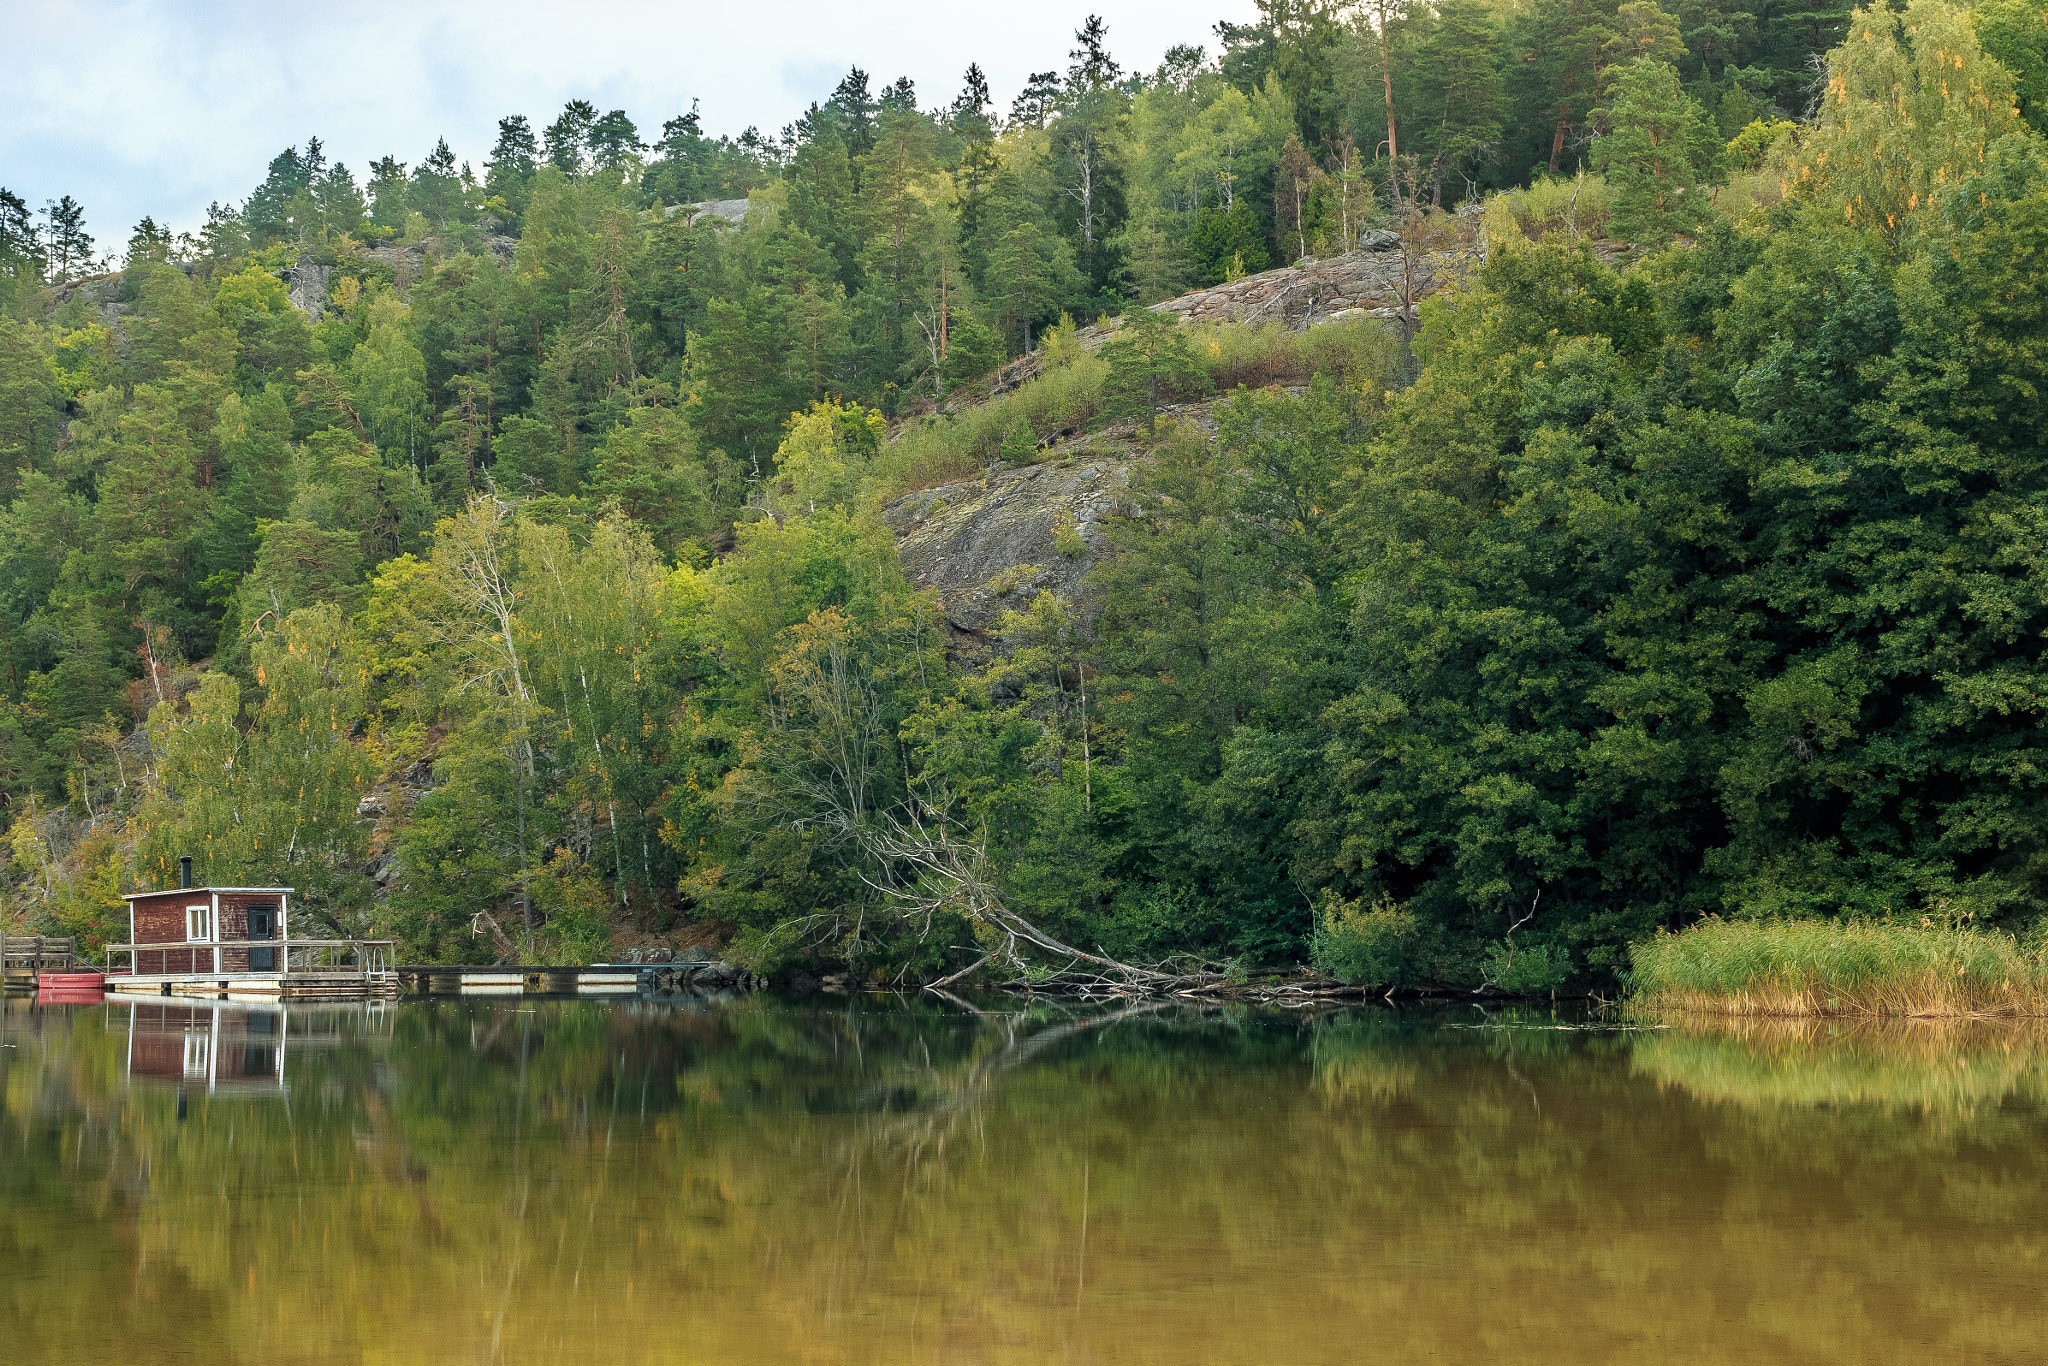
column 988, row 545
column 408, row 261
column 1368, row 283
column 1368, row 280
column 733, row 211
column 101, row 292
column 308, row 284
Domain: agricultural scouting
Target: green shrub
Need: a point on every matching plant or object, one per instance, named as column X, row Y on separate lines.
column 1577, row 207
column 1020, row 444
column 1530, row 968
column 1378, row 945
column 1066, row 537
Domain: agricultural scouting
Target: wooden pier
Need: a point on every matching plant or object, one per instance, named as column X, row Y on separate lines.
column 441, row 979
column 22, row 957
column 305, row 969
column 237, row 941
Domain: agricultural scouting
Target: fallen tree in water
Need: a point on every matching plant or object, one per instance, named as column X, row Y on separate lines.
column 927, row 867
column 824, row 767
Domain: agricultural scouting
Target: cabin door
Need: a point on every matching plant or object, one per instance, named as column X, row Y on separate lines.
column 263, row 925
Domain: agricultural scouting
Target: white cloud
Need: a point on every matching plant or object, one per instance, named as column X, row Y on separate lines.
column 160, row 108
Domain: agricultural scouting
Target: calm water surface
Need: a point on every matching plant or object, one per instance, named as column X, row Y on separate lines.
column 874, row 1180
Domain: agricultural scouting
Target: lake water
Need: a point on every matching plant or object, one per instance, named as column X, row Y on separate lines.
column 874, row 1179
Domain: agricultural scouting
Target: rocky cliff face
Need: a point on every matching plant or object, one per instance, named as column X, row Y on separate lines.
column 101, row 292
column 1370, row 282
column 991, row 545
column 408, row 261
column 308, row 282
column 1372, row 279
column 733, row 211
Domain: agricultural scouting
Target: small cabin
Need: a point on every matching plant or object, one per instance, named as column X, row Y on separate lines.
column 208, row 930
column 209, row 941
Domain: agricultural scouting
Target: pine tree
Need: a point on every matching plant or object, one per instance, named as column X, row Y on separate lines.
column 31, row 403
column 68, row 244
column 388, row 193
column 568, row 137
column 856, row 109
column 900, row 96
column 1656, row 147
column 338, row 201
column 21, row 247
column 508, row 174
column 1020, row 281
column 223, row 238
column 1559, row 79
column 1149, row 352
column 1457, row 94
column 267, row 214
column 613, row 139
column 970, row 111
column 1091, row 67
column 1034, row 105
column 436, row 191
column 151, row 241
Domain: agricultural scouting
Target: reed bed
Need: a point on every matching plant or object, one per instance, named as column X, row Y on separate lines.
column 1839, row 967
column 1950, row 1066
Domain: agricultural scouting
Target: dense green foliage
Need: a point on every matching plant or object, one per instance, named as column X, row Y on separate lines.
column 537, row 585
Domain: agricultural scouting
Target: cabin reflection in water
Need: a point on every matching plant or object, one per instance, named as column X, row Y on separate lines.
column 232, row 1049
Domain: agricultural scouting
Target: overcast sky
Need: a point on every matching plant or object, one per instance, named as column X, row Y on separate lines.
column 159, row 108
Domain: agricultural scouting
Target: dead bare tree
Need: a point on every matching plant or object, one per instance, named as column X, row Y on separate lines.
column 922, row 853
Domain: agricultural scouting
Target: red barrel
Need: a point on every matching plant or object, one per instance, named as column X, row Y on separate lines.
column 58, row 988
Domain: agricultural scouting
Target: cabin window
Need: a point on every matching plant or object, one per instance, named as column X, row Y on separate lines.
column 199, row 923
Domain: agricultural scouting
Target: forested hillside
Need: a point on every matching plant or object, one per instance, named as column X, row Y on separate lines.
column 498, row 555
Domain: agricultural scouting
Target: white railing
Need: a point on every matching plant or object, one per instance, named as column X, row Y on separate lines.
column 317, row 957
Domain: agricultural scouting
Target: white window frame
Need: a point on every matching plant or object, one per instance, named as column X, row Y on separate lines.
column 199, row 923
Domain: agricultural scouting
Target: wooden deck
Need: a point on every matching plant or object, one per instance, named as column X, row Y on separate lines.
column 314, row 975
column 507, row 980
column 23, row 956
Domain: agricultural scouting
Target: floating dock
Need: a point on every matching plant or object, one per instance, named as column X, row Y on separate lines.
column 309, row 969
column 441, row 979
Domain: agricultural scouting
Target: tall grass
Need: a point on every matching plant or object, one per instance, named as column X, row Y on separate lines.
column 1950, row 1066
column 1836, row 967
column 1070, row 396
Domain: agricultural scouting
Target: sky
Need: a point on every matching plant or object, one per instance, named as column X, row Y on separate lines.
column 160, row 108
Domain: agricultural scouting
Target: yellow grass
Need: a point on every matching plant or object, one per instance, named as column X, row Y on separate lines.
column 1832, row 967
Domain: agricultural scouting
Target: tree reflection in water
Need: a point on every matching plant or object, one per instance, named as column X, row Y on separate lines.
column 871, row 1179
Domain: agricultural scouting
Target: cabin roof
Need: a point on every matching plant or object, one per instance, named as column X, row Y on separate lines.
column 187, row 891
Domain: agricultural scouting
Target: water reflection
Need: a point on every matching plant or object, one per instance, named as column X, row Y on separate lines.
column 868, row 1180
column 1937, row 1068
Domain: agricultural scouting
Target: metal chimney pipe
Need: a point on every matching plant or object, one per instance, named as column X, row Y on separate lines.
column 184, row 871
